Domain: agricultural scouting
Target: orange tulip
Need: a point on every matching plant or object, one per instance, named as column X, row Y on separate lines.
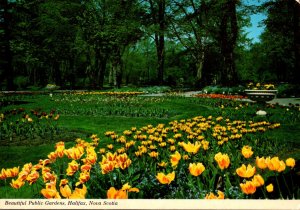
column 72, row 168
column 123, row 161
column 248, row 187
column 175, row 158
column 52, row 156
column 107, row 167
column 33, row 177
column 86, row 167
column 246, row 172
column 166, row 179
column 274, row 164
column 258, row 180
column 222, row 160
column 196, row 169
column 79, row 193
column 17, row 183
column 84, row 176
column 247, row 151
column 47, row 176
column 50, row 191
column 112, row 193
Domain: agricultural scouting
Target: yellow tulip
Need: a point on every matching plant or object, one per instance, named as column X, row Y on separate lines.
column 65, row 191
column 222, row 160
column 128, row 188
column 246, row 172
column 191, row 148
column 247, row 151
column 166, row 179
column 162, row 164
column 196, row 169
column 213, row 196
column 261, row 163
column 270, row 188
column 290, row 162
column 274, row 164
column 60, row 147
column 153, row 154
column 74, row 153
column 175, row 158
column 281, row 166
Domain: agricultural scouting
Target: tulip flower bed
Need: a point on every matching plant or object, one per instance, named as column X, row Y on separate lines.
column 203, row 157
column 220, row 96
column 23, row 124
column 226, row 152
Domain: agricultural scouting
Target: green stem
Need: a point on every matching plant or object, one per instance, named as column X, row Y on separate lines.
column 264, row 192
column 278, row 187
column 287, row 186
column 292, row 180
column 5, row 188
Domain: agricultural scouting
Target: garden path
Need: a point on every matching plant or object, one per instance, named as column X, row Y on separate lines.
column 280, row 101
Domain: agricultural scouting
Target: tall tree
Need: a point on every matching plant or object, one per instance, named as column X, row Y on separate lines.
column 190, row 24
column 228, row 34
column 280, row 39
column 157, row 10
column 5, row 33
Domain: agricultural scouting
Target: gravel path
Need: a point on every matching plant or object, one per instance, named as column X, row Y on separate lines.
column 281, row 101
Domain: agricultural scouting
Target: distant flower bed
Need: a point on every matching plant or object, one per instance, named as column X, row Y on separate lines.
column 108, row 93
column 220, row 96
column 20, row 122
column 260, row 86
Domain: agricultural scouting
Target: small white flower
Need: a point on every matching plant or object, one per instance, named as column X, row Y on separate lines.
column 50, row 95
column 261, row 113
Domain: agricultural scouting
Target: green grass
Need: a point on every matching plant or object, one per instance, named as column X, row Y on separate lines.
column 83, row 115
column 87, row 118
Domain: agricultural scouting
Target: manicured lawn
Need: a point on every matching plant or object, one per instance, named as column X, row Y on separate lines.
column 81, row 116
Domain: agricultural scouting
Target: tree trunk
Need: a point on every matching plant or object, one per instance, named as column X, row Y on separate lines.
column 8, row 69
column 228, row 37
column 159, row 19
column 100, row 65
column 117, row 69
column 199, row 65
column 296, row 15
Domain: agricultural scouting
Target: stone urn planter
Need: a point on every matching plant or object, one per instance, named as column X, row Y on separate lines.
column 261, row 96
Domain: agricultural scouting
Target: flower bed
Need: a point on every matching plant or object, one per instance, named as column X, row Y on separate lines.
column 220, row 96
column 203, row 157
